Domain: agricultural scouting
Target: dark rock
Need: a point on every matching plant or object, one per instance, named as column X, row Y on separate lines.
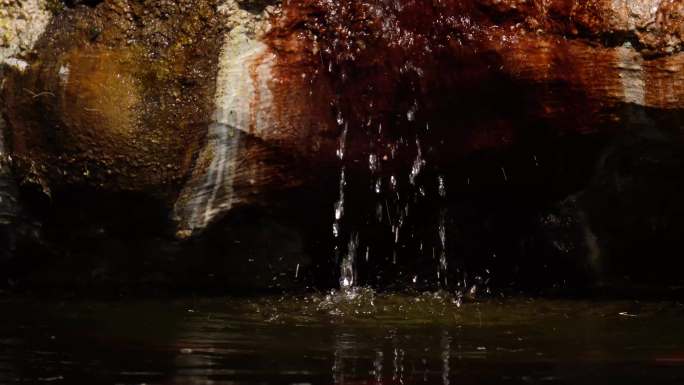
column 484, row 142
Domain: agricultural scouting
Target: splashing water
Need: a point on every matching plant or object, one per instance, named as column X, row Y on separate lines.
column 348, row 262
column 348, row 265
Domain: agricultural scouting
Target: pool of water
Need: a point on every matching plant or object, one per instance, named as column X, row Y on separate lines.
column 333, row 338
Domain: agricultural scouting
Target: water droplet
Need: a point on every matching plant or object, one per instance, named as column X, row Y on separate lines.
column 411, row 115
column 418, row 164
column 443, row 263
column 378, row 186
column 373, row 162
column 343, row 143
column 441, row 186
column 348, row 265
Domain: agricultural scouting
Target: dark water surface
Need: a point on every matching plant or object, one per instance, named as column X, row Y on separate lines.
column 331, row 339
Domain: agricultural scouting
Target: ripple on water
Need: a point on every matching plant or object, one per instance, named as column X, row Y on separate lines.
column 354, row 337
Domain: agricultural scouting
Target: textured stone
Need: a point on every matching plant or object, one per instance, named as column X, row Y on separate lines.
column 208, row 105
column 21, row 24
column 123, row 105
column 194, row 112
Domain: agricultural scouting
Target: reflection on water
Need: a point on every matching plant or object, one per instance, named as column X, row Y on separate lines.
column 332, row 339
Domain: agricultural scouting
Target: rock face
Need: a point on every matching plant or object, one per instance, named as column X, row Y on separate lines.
column 576, row 65
column 109, row 102
column 256, row 144
column 188, row 113
column 21, row 24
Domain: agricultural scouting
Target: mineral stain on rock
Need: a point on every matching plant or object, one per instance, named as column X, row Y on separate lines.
column 207, row 108
column 113, row 102
column 207, row 105
column 272, row 129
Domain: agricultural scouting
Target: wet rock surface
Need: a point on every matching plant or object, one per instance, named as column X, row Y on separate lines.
column 113, row 102
column 460, row 144
column 21, row 24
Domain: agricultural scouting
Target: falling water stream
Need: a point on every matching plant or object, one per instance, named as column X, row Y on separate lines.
column 397, row 190
column 391, row 221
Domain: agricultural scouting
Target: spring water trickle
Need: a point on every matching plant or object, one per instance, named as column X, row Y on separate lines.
column 348, row 260
column 418, row 164
column 339, row 205
column 443, row 264
column 348, row 265
column 391, row 219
